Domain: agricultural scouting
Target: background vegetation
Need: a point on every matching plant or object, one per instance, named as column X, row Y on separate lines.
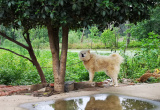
column 144, row 40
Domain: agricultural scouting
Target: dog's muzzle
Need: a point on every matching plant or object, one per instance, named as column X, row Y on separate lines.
column 82, row 55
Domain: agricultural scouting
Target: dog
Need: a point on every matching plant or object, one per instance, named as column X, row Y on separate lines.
column 109, row 64
column 112, row 102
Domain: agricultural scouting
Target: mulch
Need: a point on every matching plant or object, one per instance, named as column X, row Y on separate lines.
column 10, row 90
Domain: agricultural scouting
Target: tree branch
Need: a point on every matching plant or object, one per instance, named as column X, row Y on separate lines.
column 12, row 40
column 26, row 37
column 16, row 54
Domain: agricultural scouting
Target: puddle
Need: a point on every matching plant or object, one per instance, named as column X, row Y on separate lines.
column 96, row 102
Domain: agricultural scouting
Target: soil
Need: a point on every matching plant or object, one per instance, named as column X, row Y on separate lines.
column 143, row 90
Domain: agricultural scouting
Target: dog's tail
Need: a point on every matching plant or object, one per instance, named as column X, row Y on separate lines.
column 118, row 59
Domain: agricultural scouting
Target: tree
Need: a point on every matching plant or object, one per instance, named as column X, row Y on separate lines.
column 29, row 48
column 94, row 34
column 108, row 36
column 142, row 29
column 69, row 14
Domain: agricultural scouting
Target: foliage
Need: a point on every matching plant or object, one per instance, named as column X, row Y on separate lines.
column 153, row 80
column 142, row 29
column 18, row 71
column 147, row 58
column 74, row 37
column 108, row 37
column 30, row 13
column 152, row 42
column 94, row 33
column 69, row 14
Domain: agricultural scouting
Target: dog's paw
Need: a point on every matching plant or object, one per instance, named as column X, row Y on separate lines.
column 116, row 85
column 111, row 84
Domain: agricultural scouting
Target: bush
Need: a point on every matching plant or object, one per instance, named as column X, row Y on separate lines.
column 147, row 58
column 73, row 37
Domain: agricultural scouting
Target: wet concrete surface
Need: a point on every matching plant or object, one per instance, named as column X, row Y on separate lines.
column 96, row 102
column 145, row 91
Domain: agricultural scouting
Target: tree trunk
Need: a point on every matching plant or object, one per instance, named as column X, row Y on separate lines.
column 82, row 35
column 65, row 31
column 128, row 36
column 115, row 39
column 59, row 64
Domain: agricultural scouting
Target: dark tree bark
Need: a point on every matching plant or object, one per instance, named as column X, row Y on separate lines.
column 59, row 63
column 128, row 36
column 82, row 35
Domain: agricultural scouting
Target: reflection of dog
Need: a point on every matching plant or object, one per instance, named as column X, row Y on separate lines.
column 112, row 102
column 109, row 64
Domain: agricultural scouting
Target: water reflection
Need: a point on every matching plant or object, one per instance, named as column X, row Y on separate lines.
column 102, row 102
column 132, row 104
column 112, row 102
column 96, row 102
column 65, row 105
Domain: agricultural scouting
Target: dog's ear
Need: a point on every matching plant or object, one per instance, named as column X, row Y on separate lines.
column 88, row 51
column 92, row 99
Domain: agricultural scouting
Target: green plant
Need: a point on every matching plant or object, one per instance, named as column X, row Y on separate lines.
column 147, row 58
column 153, row 80
column 94, row 33
column 108, row 37
column 73, row 37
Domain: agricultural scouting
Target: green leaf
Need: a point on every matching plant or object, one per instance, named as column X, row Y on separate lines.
column 61, row 2
column 120, row 18
column 46, row 9
column 74, row 6
column 98, row 4
column 103, row 13
column 51, row 15
column 44, row 16
column 9, row 4
column 19, row 23
column 1, row 13
column 13, row 2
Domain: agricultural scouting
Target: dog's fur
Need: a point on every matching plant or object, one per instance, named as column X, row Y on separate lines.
column 109, row 64
column 112, row 102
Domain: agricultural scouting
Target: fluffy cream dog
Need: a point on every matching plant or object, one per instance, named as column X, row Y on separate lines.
column 112, row 102
column 109, row 64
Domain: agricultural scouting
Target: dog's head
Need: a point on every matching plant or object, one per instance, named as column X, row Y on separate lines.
column 84, row 55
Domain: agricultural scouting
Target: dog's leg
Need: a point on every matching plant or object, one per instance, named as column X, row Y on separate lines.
column 91, row 76
column 113, row 76
column 115, row 80
column 112, row 83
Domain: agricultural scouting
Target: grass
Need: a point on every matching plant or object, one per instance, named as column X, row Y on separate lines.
column 100, row 45
column 15, row 70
